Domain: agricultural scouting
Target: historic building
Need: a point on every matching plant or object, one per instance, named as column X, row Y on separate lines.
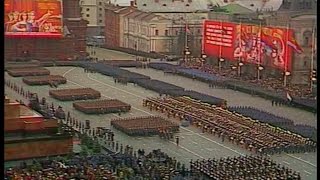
column 301, row 17
column 149, row 28
column 71, row 46
column 93, row 11
column 28, row 135
column 114, row 29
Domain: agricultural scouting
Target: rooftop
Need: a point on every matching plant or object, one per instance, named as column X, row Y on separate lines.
column 236, row 9
column 169, row 6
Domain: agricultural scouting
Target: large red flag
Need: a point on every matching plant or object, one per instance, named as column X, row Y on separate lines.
column 294, row 44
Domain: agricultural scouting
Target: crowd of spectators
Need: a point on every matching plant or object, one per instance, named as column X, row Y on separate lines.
column 154, row 165
column 269, row 83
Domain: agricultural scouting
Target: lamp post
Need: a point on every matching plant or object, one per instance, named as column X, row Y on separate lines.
column 286, row 74
column 220, row 61
column 187, row 53
column 239, row 68
column 203, row 56
column 313, row 79
column 260, row 68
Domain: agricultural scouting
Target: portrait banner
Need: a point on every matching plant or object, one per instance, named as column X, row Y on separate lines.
column 33, row 18
column 254, row 44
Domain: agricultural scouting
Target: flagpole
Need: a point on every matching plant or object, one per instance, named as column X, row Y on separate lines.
column 259, row 54
column 220, row 48
column 286, row 58
column 240, row 45
column 312, row 58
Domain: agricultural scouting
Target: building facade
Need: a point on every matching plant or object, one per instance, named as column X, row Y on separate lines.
column 146, row 32
column 93, row 11
column 301, row 17
column 28, row 135
column 52, row 48
column 149, row 30
column 113, row 30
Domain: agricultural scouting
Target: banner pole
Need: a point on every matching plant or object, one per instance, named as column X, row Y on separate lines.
column 259, row 54
column 312, row 58
column 220, row 48
column 286, row 58
column 240, row 45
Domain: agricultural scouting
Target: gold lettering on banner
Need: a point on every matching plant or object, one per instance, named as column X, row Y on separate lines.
column 279, row 31
column 46, row 5
column 255, row 29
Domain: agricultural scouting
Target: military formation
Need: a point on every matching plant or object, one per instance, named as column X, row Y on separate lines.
column 245, row 132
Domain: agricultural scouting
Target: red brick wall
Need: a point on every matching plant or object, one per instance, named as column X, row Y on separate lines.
column 111, row 28
column 34, row 149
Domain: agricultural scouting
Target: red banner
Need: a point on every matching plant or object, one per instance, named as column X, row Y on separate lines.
column 267, row 46
column 33, row 18
column 218, row 39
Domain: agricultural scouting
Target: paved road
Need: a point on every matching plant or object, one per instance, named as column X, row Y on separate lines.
column 107, row 54
column 193, row 143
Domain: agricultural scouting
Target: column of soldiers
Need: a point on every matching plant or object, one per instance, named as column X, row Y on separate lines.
column 249, row 134
column 242, row 167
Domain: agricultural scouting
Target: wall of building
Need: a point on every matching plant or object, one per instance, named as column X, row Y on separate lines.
column 302, row 25
column 93, row 11
column 37, row 148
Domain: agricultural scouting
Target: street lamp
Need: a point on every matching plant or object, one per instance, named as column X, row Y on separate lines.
column 239, row 68
column 220, row 61
column 287, row 73
column 260, row 68
column 204, row 56
column 186, row 54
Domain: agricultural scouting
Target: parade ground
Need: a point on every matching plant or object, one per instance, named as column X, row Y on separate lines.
column 193, row 144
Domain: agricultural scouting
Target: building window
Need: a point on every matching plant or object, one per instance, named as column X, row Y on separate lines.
column 164, row 4
column 100, row 21
column 166, row 32
column 100, row 15
column 177, row 32
column 156, row 1
column 100, row 9
column 187, row 4
column 88, row 9
column 156, row 32
column 189, row 1
column 100, row 3
column 88, row 15
column 305, row 63
column 144, row 4
column 199, row 31
column 307, row 37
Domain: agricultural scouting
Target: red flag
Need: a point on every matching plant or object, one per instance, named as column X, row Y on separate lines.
column 268, row 40
column 294, row 44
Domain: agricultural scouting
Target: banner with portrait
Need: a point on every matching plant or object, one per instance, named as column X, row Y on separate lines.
column 33, row 18
column 267, row 46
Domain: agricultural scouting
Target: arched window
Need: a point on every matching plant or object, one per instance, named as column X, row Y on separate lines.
column 307, row 38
